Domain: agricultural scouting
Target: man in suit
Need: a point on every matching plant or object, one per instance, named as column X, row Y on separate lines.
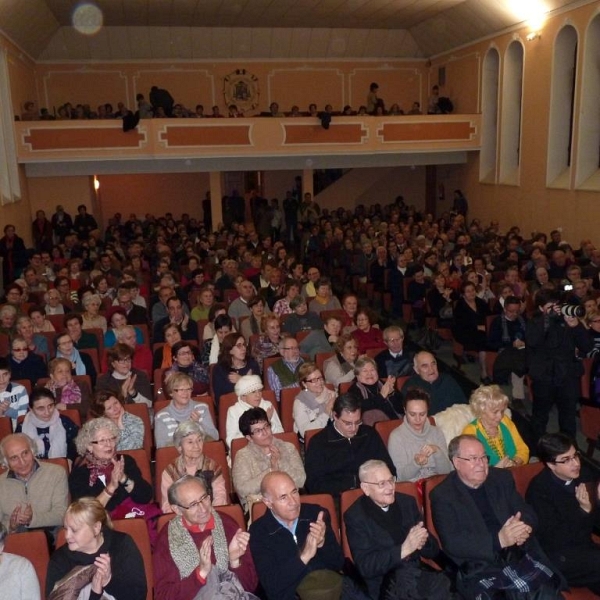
column 387, row 538
column 176, row 314
column 486, row 529
column 292, row 541
column 567, row 510
column 395, row 361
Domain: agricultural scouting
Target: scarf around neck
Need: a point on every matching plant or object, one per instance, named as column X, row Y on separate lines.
column 98, row 467
column 184, row 551
column 75, row 358
column 57, row 436
column 69, row 393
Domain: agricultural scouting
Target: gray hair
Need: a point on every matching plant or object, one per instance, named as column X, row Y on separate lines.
column 22, row 319
column 368, row 466
column 362, row 362
column 90, row 429
column 87, row 299
column 454, row 445
column 8, row 309
column 391, row 330
column 122, row 330
column 185, row 429
column 172, row 494
column 10, row 438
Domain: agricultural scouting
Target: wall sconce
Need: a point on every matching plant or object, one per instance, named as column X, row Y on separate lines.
column 534, row 35
column 96, row 183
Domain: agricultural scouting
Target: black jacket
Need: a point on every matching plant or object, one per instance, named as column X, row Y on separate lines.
column 276, row 553
column 332, row 460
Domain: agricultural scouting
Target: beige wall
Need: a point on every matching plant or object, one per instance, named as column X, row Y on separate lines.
column 301, row 82
column 531, row 205
column 153, row 193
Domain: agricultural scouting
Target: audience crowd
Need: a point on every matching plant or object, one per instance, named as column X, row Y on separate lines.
column 167, row 337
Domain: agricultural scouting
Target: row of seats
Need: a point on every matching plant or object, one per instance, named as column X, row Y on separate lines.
column 32, row 545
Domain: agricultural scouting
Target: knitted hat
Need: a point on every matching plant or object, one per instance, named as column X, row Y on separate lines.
column 248, row 384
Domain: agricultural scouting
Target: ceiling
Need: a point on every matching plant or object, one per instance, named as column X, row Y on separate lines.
column 256, row 29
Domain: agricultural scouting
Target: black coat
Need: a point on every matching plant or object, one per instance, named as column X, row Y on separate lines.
column 276, row 553
column 374, row 551
column 332, row 461
column 565, row 529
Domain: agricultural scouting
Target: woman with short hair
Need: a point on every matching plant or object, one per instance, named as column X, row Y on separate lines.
column 501, row 440
column 92, row 319
column 340, row 368
column 313, row 405
column 188, row 438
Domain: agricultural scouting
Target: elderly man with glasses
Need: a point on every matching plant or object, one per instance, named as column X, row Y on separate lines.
column 284, row 372
column 200, row 551
column 565, row 500
column 337, row 451
column 387, row 539
column 486, row 529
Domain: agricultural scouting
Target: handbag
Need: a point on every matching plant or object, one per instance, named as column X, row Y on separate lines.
column 129, row 509
column 223, row 585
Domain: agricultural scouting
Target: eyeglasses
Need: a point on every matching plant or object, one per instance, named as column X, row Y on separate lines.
column 315, row 380
column 196, row 503
column 182, row 389
column 123, row 361
column 184, row 353
column 393, row 340
column 20, row 349
column 381, row 484
column 262, row 430
column 105, row 442
column 568, row 459
column 351, row 423
column 292, row 348
column 475, row 459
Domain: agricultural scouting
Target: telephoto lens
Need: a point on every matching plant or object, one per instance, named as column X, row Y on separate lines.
column 572, row 310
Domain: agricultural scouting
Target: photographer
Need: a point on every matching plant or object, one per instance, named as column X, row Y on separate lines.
column 552, row 340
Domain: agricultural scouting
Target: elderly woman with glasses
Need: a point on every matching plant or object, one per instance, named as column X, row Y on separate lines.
column 249, row 392
column 92, row 319
column 122, row 380
column 233, row 364
column 495, row 429
column 379, row 401
column 101, row 472
column 340, row 368
column 179, row 387
column 25, row 364
column 53, row 300
column 189, row 441
column 81, row 363
column 109, row 405
column 185, row 361
column 313, row 405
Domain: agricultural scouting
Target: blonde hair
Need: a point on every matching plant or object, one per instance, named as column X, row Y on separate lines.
column 487, row 396
column 90, row 511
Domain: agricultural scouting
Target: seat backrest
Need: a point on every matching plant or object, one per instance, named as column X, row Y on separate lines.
column 218, row 452
column 345, row 386
column 321, row 357
column 143, row 327
column 25, row 383
column 5, row 427
column 73, row 414
column 308, row 434
column 267, row 362
column 141, row 411
column 163, row 457
column 57, row 322
column 94, row 355
column 143, row 462
column 524, row 474
column 324, row 500
column 4, row 344
column 138, row 530
column 238, row 443
column 158, row 384
column 286, row 404
column 385, row 428
column 303, row 334
column 590, row 425
column 428, row 485
column 33, row 546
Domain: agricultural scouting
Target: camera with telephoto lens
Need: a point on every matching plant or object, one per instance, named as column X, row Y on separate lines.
column 572, row 310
